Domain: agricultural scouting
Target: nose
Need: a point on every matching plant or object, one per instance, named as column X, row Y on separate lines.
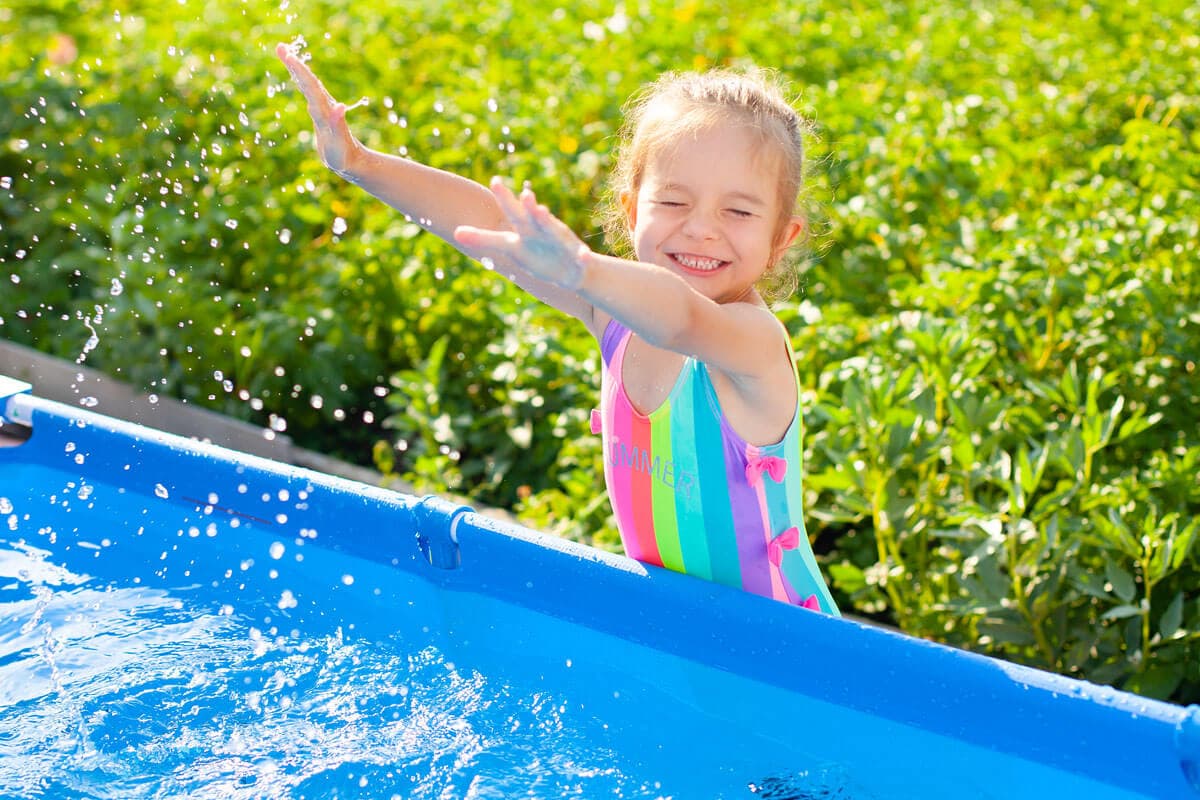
column 700, row 224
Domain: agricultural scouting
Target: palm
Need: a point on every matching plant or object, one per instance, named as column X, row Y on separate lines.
column 538, row 242
column 334, row 140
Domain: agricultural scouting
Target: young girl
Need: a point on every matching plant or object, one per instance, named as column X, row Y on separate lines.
column 699, row 410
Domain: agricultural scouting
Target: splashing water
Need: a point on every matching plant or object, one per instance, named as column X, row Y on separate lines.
column 297, row 48
column 93, row 341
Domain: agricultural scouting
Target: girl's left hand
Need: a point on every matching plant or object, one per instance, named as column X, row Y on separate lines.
column 539, row 243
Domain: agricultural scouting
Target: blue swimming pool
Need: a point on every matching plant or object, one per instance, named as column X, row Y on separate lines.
column 182, row 620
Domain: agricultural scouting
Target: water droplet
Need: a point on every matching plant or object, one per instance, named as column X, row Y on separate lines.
column 161, row 491
column 89, row 402
column 277, row 549
column 296, row 47
column 285, row 236
column 348, row 580
column 339, row 226
column 117, row 288
column 6, row 505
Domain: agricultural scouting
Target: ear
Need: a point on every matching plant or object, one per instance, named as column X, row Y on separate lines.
column 791, row 230
column 629, row 204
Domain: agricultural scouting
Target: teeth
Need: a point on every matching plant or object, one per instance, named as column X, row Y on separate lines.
column 698, row 262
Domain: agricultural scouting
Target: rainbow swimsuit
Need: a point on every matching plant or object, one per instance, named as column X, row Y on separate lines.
column 691, row 495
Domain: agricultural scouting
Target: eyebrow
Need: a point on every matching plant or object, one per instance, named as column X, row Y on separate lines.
column 745, row 197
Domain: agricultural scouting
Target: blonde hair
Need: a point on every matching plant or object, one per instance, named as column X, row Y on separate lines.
column 678, row 104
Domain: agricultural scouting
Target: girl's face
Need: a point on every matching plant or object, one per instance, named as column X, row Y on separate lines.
column 709, row 210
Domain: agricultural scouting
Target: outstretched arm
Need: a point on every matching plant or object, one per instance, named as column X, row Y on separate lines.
column 437, row 200
column 652, row 301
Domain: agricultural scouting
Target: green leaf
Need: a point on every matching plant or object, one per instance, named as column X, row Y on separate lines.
column 1122, row 582
column 1007, row 633
column 1121, row 612
column 847, row 577
column 1172, row 617
column 1110, row 421
column 899, row 437
column 1182, row 545
column 1158, row 681
column 1116, row 532
column 1088, row 582
column 1069, row 386
column 963, row 451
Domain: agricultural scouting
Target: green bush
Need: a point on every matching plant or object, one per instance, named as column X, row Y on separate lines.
column 997, row 336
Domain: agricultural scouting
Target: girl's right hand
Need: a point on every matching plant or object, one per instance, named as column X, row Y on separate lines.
column 335, row 144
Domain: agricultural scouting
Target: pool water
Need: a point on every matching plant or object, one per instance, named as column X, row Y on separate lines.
column 126, row 689
column 173, row 624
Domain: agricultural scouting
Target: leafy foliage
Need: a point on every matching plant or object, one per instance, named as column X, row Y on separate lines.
column 998, row 335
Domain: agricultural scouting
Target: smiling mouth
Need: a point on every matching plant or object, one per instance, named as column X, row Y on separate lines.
column 697, row 265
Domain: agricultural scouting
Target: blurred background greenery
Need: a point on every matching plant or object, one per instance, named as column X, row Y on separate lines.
column 998, row 328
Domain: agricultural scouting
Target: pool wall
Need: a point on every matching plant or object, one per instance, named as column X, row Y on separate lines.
column 1109, row 736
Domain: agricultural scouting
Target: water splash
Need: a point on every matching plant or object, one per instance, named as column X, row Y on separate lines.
column 297, row 47
column 90, row 322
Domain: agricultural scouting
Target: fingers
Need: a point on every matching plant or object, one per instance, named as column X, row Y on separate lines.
column 531, row 219
column 486, row 240
column 524, row 212
column 306, row 80
column 509, row 205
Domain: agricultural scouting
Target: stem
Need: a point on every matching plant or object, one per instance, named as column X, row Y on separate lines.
column 1144, row 566
column 883, row 529
column 1051, row 324
column 1018, row 587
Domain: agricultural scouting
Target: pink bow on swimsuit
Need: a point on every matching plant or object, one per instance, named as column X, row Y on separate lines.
column 788, row 540
column 772, row 465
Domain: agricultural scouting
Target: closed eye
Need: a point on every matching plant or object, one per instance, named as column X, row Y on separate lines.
column 740, row 212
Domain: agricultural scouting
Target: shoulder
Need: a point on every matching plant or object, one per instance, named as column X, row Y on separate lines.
column 764, row 345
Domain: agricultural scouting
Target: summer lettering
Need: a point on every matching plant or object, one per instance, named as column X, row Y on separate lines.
column 639, row 459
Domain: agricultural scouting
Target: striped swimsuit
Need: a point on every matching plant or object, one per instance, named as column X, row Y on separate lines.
column 692, row 495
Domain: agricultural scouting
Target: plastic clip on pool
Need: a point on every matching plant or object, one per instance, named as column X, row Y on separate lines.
column 177, row 619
